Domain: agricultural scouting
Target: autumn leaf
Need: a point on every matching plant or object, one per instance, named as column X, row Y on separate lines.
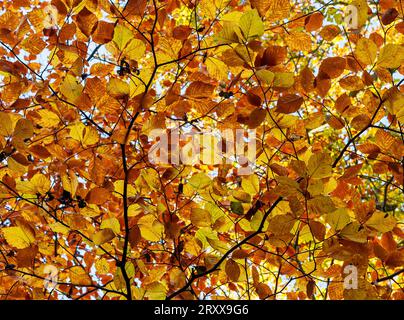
column 251, row 25
column 366, row 51
column 289, row 103
column 200, row 217
column 19, row 237
column 86, row 135
column 319, row 166
column 210, row 149
column 103, row 236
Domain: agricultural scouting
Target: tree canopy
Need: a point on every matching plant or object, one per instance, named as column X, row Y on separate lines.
column 85, row 213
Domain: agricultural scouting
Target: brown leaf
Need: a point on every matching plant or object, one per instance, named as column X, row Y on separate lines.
column 314, row 21
column 360, row 121
column 318, row 230
column 134, row 236
column 86, row 21
column 232, row 270
column 256, row 118
column 103, row 33
column 98, row 196
column 310, row 288
column 253, row 99
column 25, row 257
column 135, row 8
column 343, row 103
column 307, row 80
column 289, row 103
column 181, row 32
column 199, row 90
column 329, row 32
column 333, row 67
column 389, row 16
column 272, row 56
column 263, row 290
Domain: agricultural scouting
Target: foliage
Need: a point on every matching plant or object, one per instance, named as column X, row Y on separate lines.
column 83, row 83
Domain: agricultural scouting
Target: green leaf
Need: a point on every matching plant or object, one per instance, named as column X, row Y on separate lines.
column 236, row 207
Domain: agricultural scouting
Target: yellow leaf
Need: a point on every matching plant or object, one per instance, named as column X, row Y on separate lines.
column 58, row 227
column 102, row 266
column 199, row 181
column 168, row 50
column 19, row 237
column 299, row 41
column 103, row 236
column 85, row 134
column 227, row 34
column 15, row 166
column 251, row 184
column 117, row 88
column 266, row 76
column 38, row 184
column 23, row 129
column 90, row 210
column 251, row 25
column 321, row 204
column 135, row 49
column 394, row 101
column 134, row 210
column 316, row 187
column 79, row 276
column 6, row 125
column 362, row 11
column 70, row 182
column 111, row 223
column 381, row 221
column 122, row 36
column 319, row 166
column 119, row 280
column 354, row 232
column 273, row 10
column 71, row 88
column 118, row 188
column 156, row 291
column 305, row 234
column 48, row 119
column 200, row 217
column 241, row 196
column 281, row 224
column 150, row 228
column 152, row 178
column 338, row 219
column 391, row 56
column 366, row 51
column 217, row 69
column 283, row 79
